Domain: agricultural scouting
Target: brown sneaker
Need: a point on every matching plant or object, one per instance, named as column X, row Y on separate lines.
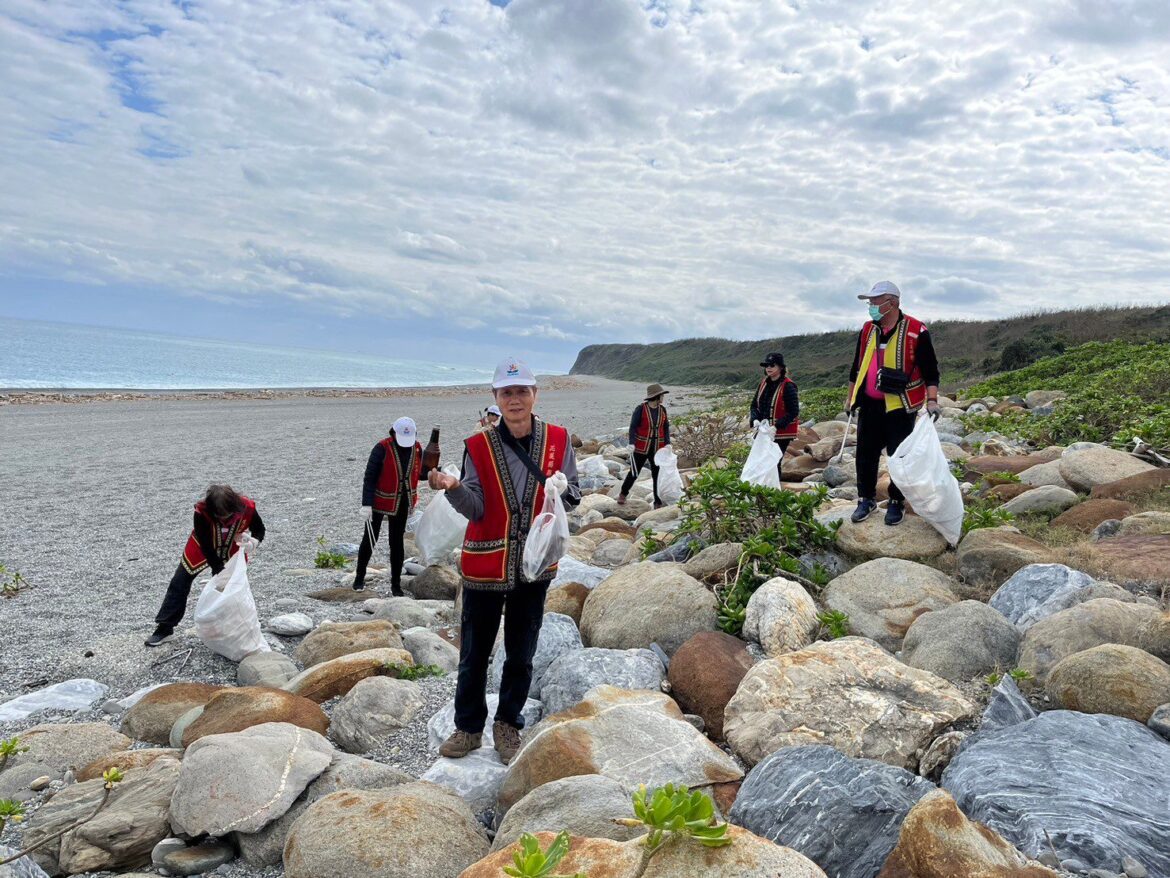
column 507, row 740
column 459, row 744
column 622, row 499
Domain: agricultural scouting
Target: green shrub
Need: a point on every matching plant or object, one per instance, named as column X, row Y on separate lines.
column 531, row 862
column 413, row 672
column 326, row 560
column 11, row 582
column 984, row 513
column 834, row 623
column 823, row 403
column 674, row 811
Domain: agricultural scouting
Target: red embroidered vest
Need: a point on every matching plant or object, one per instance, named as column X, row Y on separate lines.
column 778, row 410
column 905, row 341
column 494, row 545
column 223, row 536
column 648, row 431
column 389, row 486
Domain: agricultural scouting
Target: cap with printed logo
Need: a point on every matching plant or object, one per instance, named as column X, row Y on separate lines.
column 405, row 432
column 882, row 288
column 513, row 373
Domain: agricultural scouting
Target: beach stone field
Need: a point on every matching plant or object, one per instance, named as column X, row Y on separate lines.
column 889, row 706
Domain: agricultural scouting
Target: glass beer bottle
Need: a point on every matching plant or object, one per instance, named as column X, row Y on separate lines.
column 431, row 452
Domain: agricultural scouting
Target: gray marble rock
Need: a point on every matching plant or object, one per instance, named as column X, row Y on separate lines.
column 558, row 635
column 683, row 550
column 22, row 868
column 1007, row 707
column 476, row 778
column 1105, row 529
column 844, row 814
column 1160, row 721
column 838, row 474
column 1037, row 591
column 569, row 569
column 575, row 673
column 1094, row 784
column 442, row 724
column 830, row 561
column 69, row 696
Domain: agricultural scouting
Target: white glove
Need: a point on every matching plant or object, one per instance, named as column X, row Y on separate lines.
column 755, row 425
column 367, row 512
column 557, row 483
column 247, row 543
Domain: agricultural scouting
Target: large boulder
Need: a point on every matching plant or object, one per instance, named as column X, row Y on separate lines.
column 332, row 640
column 714, row 561
column 125, row 760
column 152, row 718
column 1082, row 627
column 407, row 612
column 961, row 642
column 647, row 603
column 705, row 673
column 988, row 556
column 576, row 672
column 439, row 582
column 1145, row 524
column 1037, row 591
column 1111, row 678
column 236, row 709
column 56, row 748
column 584, row 804
column 848, row 693
column 1141, row 563
column 476, row 778
column 1135, row 487
column 841, row 813
column 558, row 636
column 241, row 782
column 428, row 648
column 1006, row 707
column 1092, row 786
column 345, row 772
column 938, row 841
column 267, row 668
column 913, row 540
column 415, row 829
column 1045, row 500
column 748, row 856
column 567, row 599
column 337, row 676
column 25, row 867
column 883, row 597
column 442, row 722
column 1084, row 517
column 780, row 617
column 371, row 710
column 1043, row 474
column 1086, row 468
column 121, row 834
column 631, row 737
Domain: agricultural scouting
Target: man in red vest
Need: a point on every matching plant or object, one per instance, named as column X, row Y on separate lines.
column 649, row 431
column 894, row 374
column 506, row 472
column 777, row 401
column 390, row 492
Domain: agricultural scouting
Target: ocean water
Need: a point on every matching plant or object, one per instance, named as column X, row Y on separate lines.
column 35, row 354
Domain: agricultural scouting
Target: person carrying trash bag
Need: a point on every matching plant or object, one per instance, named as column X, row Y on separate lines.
column 777, row 401
column 223, row 520
column 390, row 492
column 491, row 417
column 894, row 374
column 506, row 472
column 649, row 431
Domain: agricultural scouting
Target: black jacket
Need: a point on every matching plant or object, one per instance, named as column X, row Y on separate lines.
column 636, row 422
column 762, row 406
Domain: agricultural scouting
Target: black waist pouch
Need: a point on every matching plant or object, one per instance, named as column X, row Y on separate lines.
column 892, row 380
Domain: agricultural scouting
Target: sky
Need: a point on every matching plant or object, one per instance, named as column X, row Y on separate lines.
column 464, row 179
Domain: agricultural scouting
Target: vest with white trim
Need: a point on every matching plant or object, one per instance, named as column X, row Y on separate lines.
column 900, row 354
column 648, row 431
column 389, row 487
column 779, row 411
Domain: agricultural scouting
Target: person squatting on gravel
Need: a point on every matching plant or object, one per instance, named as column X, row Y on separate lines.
column 390, row 492
column 649, row 431
column 777, row 401
column 223, row 519
column 894, row 374
column 501, row 490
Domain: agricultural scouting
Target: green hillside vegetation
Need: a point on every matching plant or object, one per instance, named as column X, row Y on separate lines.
column 967, row 351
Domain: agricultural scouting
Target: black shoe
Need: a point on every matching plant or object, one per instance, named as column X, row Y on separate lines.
column 895, row 512
column 161, row 635
column 397, row 591
column 359, row 586
column 864, row 508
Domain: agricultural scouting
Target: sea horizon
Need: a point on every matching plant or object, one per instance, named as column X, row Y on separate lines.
column 38, row 355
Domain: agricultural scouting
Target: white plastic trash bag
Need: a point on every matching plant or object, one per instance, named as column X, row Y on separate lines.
column 594, row 467
column 670, row 485
column 441, row 528
column 921, row 471
column 413, row 519
column 760, row 468
column 549, row 535
column 225, row 615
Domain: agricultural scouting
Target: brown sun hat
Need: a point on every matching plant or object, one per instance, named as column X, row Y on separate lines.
column 655, row 390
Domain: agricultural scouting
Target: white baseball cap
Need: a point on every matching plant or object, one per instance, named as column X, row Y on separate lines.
column 882, row 288
column 495, row 410
column 513, row 373
column 405, row 432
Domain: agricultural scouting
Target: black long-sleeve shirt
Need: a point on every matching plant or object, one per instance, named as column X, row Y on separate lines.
column 374, row 469
column 924, row 355
column 762, row 403
column 206, row 538
column 655, row 414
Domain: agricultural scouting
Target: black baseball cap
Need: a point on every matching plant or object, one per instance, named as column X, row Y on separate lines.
column 774, row 359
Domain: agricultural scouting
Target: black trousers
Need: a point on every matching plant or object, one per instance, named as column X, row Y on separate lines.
column 640, row 460
column 523, row 612
column 395, row 534
column 783, row 443
column 174, row 604
column 878, row 431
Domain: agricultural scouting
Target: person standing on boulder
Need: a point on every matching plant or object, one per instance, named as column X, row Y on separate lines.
column 223, row 520
column 777, row 401
column 390, row 492
column 506, row 472
column 894, row 374
column 649, row 431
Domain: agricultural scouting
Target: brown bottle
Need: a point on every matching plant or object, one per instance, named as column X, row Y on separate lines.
column 431, row 452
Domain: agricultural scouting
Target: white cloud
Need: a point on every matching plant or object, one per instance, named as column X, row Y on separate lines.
column 592, row 170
